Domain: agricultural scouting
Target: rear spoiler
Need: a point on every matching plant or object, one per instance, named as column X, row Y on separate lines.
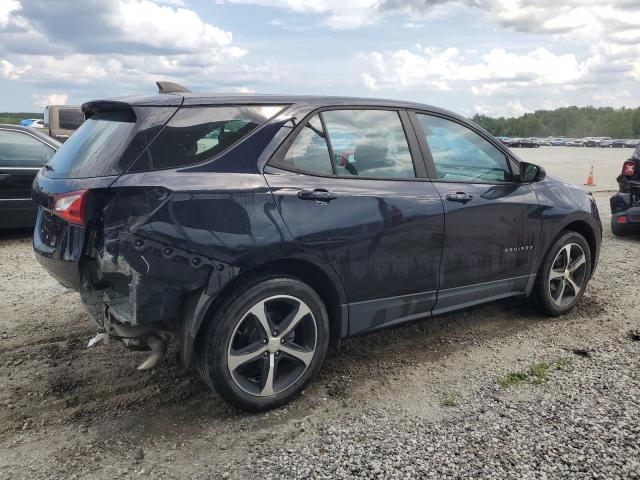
column 91, row 108
column 170, row 87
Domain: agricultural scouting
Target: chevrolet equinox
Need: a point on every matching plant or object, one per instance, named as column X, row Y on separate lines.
column 257, row 230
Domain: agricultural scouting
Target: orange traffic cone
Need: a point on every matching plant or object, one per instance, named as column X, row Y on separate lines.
column 590, row 182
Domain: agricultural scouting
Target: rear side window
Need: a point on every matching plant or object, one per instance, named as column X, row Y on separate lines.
column 70, row 119
column 196, row 134
column 369, row 143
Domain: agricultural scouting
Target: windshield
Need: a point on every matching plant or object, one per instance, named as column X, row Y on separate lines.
column 93, row 148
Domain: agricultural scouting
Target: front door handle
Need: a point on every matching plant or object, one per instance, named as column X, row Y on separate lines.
column 459, row 197
column 4, row 176
column 318, row 194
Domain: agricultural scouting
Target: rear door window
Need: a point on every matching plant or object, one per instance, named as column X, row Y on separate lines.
column 196, row 134
column 369, row 143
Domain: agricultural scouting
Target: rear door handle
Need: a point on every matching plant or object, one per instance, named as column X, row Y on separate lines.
column 459, row 197
column 318, row 194
column 4, row 176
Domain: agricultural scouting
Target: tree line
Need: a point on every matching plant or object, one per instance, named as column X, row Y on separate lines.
column 572, row 122
column 15, row 117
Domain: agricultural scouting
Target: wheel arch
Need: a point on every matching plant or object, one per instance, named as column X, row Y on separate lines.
column 326, row 284
column 586, row 230
column 199, row 307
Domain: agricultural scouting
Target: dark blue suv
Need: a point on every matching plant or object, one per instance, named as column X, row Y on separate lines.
column 258, row 230
column 625, row 204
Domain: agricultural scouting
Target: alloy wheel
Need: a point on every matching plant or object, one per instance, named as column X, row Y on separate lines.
column 272, row 345
column 568, row 274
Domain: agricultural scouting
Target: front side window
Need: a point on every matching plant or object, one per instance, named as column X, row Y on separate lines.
column 195, row 134
column 460, row 154
column 309, row 151
column 369, row 143
column 19, row 149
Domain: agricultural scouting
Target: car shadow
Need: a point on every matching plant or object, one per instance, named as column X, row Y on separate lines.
column 9, row 234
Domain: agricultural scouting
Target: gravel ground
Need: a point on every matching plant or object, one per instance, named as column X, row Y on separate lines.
column 582, row 423
column 494, row 391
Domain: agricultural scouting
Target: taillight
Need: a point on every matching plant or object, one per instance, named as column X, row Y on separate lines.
column 71, row 206
column 629, row 168
column 622, row 219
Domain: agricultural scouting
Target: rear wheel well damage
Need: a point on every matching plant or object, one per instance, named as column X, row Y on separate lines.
column 199, row 309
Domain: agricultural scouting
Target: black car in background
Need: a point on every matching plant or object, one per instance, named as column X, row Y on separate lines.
column 521, row 142
column 259, row 229
column 23, row 151
column 618, row 143
column 625, row 205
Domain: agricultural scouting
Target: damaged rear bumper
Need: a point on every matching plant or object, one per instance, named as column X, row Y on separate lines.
column 145, row 281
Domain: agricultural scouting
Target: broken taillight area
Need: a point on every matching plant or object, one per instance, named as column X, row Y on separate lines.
column 629, row 168
column 71, row 206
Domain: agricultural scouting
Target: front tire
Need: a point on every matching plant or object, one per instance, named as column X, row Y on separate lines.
column 564, row 274
column 265, row 342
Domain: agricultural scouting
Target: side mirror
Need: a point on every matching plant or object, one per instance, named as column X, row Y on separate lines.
column 530, row 173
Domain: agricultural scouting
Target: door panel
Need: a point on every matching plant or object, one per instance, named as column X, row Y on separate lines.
column 491, row 237
column 488, row 239
column 492, row 220
column 383, row 237
column 15, row 182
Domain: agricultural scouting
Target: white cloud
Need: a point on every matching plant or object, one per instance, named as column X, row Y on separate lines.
column 339, row 15
column 585, row 18
column 349, row 14
column 164, row 27
column 512, row 108
column 553, row 104
column 239, row 90
column 10, row 71
column 51, row 99
column 438, row 69
column 7, row 7
column 138, row 42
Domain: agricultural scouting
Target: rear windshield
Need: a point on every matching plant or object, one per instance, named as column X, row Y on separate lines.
column 91, row 150
column 196, row 134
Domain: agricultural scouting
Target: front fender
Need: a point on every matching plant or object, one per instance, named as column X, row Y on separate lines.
column 567, row 206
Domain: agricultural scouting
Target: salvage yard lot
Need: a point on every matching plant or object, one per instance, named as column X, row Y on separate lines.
column 494, row 391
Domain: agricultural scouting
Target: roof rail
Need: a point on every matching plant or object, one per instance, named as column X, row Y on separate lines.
column 170, row 87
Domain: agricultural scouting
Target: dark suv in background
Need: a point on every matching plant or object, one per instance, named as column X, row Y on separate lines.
column 625, row 205
column 258, row 230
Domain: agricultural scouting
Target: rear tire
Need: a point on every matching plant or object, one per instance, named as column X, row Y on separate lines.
column 564, row 274
column 255, row 369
